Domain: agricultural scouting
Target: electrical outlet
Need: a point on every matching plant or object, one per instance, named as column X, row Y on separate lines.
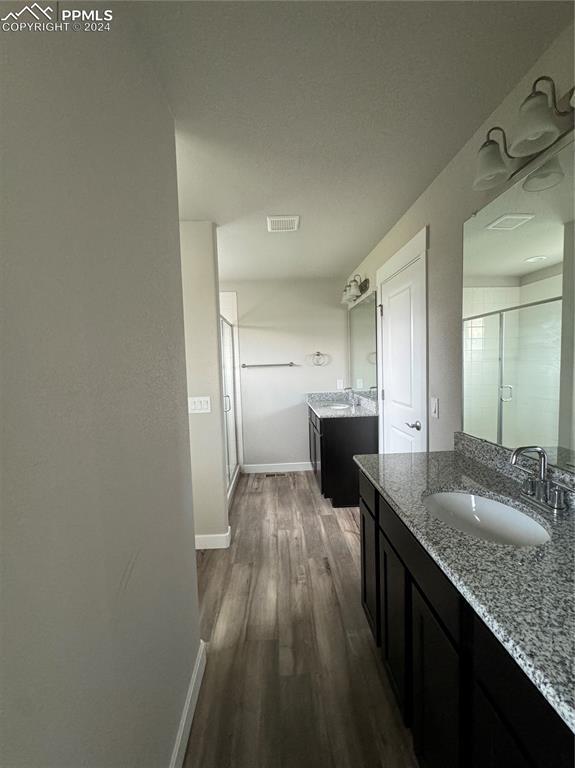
column 339, row 383
column 201, row 404
column 435, row 407
column 359, row 383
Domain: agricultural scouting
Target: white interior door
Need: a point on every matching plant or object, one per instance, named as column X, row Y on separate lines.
column 403, row 351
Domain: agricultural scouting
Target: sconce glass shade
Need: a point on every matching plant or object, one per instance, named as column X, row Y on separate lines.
column 547, row 176
column 537, row 128
column 491, row 169
column 354, row 292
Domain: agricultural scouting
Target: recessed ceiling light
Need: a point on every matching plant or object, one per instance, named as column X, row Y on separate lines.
column 533, row 259
column 283, row 223
column 510, row 221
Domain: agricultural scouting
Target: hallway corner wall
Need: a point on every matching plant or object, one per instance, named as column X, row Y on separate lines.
column 204, row 377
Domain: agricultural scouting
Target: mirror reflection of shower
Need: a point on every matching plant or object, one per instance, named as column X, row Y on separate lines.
column 518, row 313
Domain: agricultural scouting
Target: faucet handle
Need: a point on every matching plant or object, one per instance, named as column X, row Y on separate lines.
column 528, row 486
column 556, row 498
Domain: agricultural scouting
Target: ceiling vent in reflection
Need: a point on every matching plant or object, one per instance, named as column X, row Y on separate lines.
column 510, row 221
column 283, row 223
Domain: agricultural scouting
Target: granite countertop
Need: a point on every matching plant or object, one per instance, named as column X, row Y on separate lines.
column 326, row 411
column 525, row 595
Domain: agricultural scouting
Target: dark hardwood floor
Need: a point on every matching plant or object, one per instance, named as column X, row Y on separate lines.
column 293, row 678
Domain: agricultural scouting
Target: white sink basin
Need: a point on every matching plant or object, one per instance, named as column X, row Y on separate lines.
column 486, row 519
column 339, row 406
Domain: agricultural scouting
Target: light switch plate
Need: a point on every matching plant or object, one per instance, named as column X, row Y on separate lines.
column 199, row 404
column 359, row 383
column 339, row 383
column 435, row 407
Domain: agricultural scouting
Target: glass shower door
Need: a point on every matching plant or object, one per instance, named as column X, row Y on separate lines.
column 511, row 374
column 531, row 363
column 229, row 396
column 481, row 374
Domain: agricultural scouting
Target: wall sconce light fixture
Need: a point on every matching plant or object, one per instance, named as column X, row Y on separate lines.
column 547, row 176
column 354, row 289
column 492, row 168
column 538, row 129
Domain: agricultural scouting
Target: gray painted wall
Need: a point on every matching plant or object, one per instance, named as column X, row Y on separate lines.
column 204, row 375
column 282, row 321
column 98, row 610
column 444, row 206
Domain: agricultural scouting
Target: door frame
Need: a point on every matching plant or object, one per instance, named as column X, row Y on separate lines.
column 232, row 482
column 413, row 252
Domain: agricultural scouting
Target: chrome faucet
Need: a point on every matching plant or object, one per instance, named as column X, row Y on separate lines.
column 351, row 398
column 543, row 461
column 539, row 487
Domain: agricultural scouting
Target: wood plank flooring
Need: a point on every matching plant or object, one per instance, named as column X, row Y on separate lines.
column 293, row 678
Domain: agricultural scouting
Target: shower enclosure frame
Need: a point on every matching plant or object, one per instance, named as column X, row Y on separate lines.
column 230, row 398
column 501, row 356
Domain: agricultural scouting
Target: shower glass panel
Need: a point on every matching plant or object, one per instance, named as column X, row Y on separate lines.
column 531, row 363
column 511, row 370
column 229, row 395
column 481, row 376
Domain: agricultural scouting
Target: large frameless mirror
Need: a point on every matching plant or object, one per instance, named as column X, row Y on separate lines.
column 518, row 313
column 362, row 346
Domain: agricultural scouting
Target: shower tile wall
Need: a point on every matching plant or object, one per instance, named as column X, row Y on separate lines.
column 534, row 343
column 481, row 376
column 532, row 361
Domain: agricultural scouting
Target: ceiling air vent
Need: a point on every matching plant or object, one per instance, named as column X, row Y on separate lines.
column 510, row 221
column 283, row 223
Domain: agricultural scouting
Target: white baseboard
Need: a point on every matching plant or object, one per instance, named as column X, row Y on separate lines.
column 296, row 466
column 214, row 540
column 179, row 751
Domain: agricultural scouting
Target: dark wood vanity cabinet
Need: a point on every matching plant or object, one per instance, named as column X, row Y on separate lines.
column 333, row 442
column 435, row 692
column 315, row 449
column 394, row 617
column 467, row 702
column 492, row 743
column 369, row 569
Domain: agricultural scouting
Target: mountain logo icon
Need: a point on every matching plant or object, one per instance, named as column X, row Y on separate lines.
column 36, row 10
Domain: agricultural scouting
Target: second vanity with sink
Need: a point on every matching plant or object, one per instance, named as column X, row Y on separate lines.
column 340, row 425
column 469, row 594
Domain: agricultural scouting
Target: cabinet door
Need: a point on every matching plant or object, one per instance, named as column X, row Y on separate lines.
column 317, row 456
column 393, row 596
column 492, row 744
column 369, row 570
column 435, row 690
column 311, row 435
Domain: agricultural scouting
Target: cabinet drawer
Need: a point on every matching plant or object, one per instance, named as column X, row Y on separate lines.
column 436, row 587
column 529, row 716
column 367, row 493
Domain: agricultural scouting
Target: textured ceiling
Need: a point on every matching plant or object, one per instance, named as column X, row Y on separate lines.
column 341, row 112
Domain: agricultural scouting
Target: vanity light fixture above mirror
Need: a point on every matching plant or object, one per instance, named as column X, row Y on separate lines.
column 354, row 289
column 539, row 126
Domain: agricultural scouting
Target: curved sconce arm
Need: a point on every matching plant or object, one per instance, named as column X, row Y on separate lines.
column 547, row 79
column 504, row 135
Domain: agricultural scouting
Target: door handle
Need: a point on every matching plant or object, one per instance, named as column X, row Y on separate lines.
column 229, row 399
column 416, row 425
